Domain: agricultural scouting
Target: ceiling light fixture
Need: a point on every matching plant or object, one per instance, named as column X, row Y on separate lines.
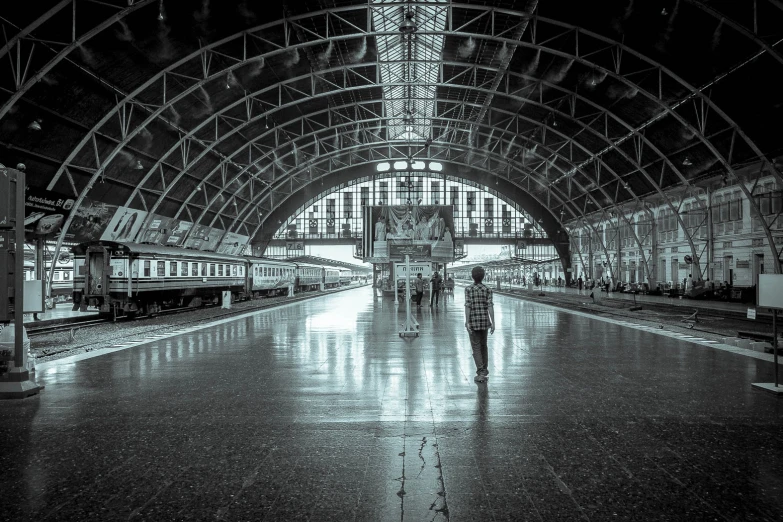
column 408, row 26
column 687, row 161
column 139, row 166
column 35, row 125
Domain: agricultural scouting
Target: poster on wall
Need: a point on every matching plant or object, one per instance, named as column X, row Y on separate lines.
column 419, row 224
column 124, row 225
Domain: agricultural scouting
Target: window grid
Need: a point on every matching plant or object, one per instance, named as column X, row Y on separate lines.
column 339, row 213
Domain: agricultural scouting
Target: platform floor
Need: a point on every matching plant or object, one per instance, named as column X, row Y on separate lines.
column 319, row 411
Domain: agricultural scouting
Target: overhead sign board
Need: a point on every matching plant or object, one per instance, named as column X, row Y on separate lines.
column 416, row 251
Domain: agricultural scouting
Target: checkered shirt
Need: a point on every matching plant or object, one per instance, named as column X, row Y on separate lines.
column 478, row 298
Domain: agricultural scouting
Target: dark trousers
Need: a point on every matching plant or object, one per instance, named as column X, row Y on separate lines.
column 434, row 296
column 419, row 295
column 478, row 342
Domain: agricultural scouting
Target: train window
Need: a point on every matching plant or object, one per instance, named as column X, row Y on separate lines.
column 146, row 268
column 265, row 271
column 57, row 276
column 220, row 270
column 184, row 272
column 203, row 269
column 234, row 270
column 212, row 269
column 161, row 269
column 228, row 270
column 173, row 268
column 66, row 276
column 194, row 270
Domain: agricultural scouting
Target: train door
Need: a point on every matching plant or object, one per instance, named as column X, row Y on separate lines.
column 758, row 267
column 98, row 270
column 662, row 273
column 728, row 271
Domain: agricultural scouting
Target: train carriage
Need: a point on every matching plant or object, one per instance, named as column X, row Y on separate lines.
column 127, row 278
column 309, row 277
column 62, row 284
column 269, row 277
column 346, row 276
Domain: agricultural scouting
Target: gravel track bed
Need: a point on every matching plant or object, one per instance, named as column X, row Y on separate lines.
column 50, row 347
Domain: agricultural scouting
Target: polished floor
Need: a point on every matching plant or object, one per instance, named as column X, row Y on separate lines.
column 320, row 411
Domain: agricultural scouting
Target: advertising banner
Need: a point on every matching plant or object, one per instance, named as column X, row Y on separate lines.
column 45, row 212
column 198, row 237
column 232, row 244
column 124, row 225
column 91, row 220
column 213, row 238
column 162, row 230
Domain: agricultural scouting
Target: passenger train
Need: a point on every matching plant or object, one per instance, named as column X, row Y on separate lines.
column 127, row 278
column 62, row 284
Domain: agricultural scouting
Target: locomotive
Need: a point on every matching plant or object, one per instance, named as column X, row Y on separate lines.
column 122, row 278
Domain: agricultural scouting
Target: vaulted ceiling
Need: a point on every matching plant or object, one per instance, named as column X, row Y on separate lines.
column 230, row 113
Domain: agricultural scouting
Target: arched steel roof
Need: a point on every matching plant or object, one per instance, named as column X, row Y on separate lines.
column 225, row 115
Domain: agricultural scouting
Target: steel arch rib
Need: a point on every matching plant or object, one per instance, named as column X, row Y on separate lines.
column 736, row 128
column 16, row 96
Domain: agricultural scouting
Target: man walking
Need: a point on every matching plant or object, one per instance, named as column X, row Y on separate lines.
column 436, row 284
column 479, row 319
column 419, row 284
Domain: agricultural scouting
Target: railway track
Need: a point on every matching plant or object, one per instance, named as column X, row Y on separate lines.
column 73, row 328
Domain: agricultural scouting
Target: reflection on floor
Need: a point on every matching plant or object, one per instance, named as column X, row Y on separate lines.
column 319, row 411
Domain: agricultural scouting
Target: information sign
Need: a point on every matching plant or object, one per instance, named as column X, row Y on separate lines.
column 416, row 251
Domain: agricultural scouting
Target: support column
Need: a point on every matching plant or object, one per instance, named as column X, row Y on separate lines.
column 17, row 382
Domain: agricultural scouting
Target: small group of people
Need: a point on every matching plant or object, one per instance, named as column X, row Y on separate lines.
column 436, row 286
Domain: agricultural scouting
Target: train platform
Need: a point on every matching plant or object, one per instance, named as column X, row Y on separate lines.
column 640, row 298
column 318, row 411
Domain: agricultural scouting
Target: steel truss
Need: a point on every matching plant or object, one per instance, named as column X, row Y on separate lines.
column 361, row 124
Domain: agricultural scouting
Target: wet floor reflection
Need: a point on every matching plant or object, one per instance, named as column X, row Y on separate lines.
column 313, row 407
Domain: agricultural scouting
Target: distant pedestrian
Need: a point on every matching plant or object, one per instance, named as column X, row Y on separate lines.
column 479, row 320
column 419, row 284
column 579, row 284
column 437, row 282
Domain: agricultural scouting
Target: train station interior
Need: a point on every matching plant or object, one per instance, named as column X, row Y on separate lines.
column 213, row 216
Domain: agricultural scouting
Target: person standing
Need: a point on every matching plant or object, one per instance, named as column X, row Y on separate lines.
column 479, row 320
column 579, row 283
column 419, row 284
column 437, row 282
